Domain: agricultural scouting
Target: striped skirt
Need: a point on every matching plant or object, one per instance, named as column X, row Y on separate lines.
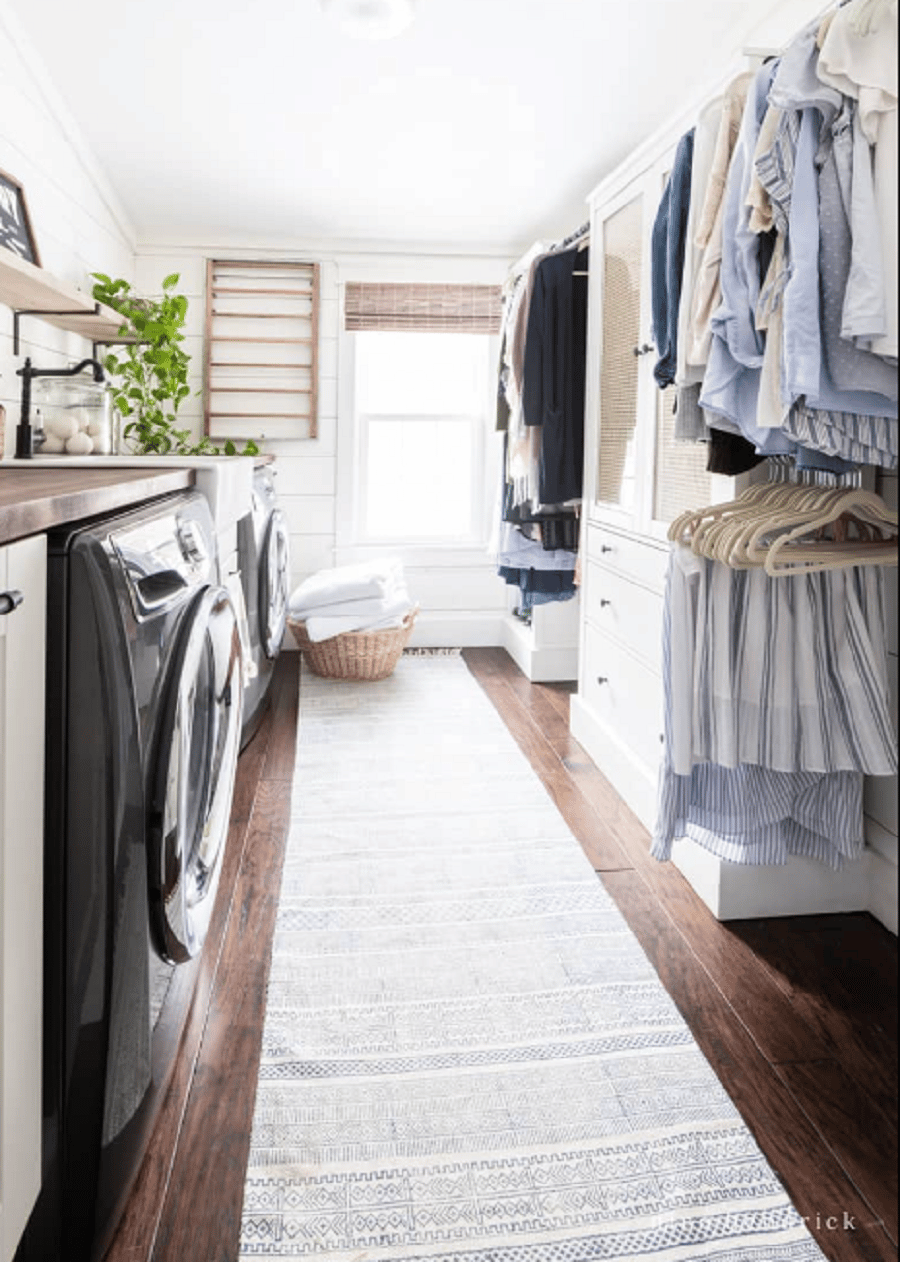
column 776, row 705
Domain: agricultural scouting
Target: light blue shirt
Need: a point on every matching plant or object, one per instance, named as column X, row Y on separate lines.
column 731, row 382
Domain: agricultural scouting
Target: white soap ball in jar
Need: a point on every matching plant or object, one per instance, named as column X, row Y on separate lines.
column 52, row 444
column 61, row 425
column 80, row 444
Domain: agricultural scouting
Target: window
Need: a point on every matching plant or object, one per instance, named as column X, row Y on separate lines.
column 422, row 402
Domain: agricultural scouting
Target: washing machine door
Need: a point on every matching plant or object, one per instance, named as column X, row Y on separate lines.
column 274, row 576
column 192, row 780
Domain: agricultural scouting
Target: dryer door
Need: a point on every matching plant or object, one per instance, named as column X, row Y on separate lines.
column 274, row 576
column 192, row 777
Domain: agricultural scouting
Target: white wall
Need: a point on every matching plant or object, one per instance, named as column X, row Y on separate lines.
column 77, row 221
column 462, row 600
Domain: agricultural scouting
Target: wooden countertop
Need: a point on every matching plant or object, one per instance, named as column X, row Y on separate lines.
column 33, row 500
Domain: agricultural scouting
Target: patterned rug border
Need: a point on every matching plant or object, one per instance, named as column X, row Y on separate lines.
column 538, row 1099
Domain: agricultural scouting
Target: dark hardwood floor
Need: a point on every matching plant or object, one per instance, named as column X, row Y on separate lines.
column 797, row 1016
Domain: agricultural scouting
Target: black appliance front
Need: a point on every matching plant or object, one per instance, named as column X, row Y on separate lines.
column 274, row 576
column 264, row 553
column 143, row 660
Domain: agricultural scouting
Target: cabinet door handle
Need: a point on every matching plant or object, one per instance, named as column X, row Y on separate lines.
column 602, row 679
column 605, row 603
column 605, row 547
column 645, row 349
column 10, row 600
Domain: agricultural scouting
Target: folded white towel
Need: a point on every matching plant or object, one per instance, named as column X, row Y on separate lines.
column 370, row 579
column 368, row 608
column 323, row 627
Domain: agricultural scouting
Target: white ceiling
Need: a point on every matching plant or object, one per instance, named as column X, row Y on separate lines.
column 481, row 127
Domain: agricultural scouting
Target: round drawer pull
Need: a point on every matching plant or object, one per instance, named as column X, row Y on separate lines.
column 606, row 547
column 643, row 350
column 605, row 603
column 602, row 679
column 10, row 600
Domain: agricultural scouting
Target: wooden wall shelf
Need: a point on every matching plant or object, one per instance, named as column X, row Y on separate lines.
column 30, row 290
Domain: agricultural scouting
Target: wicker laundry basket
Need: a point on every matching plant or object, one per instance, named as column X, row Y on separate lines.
column 355, row 654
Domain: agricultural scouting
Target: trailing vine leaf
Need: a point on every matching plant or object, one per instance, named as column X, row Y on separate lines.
column 148, row 379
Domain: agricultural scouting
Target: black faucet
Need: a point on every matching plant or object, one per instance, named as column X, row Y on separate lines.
column 24, row 435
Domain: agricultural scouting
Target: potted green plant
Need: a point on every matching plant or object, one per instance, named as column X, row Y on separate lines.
column 149, row 375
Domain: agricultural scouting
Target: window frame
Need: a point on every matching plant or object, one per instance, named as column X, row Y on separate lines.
column 351, row 541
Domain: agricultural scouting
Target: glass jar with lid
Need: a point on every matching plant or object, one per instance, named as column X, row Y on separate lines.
column 73, row 416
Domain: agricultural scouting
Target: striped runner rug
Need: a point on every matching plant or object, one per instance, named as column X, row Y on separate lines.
column 467, row 1057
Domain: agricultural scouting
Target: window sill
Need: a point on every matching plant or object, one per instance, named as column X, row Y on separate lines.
column 419, row 555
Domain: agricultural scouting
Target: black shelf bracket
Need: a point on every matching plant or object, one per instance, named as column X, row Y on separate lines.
column 43, row 312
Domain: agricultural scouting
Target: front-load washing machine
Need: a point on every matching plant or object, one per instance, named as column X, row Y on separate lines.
column 264, row 560
column 144, row 690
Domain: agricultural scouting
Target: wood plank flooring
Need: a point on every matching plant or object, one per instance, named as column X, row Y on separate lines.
column 796, row 1016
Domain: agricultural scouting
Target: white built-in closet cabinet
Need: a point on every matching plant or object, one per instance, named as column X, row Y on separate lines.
column 637, row 479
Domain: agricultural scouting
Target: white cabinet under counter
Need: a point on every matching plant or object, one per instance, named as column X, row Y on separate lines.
column 23, row 585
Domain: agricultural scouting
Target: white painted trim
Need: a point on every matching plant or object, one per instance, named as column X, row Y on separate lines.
column 550, row 663
column 386, row 260
column 800, row 887
column 882, row 895
column 456, row 630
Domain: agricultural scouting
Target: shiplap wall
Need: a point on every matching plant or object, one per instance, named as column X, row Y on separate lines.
column 462, row 600
column 78, row 223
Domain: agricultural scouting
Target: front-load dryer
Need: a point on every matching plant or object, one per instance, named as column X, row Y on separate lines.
column 144, row 712
column 264, row 560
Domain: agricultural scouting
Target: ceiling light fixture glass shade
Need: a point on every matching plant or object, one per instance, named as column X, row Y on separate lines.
column 371, row 19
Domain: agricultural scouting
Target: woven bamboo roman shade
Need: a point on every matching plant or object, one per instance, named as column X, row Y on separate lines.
column 400, row 308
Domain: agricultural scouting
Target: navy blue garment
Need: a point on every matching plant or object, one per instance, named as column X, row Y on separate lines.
column 554, row 372
column 667, row 260
column 547, row 585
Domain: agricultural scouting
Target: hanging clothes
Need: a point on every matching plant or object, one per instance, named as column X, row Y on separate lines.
column 731, row 383
column 554, row 372
column 708, row 239
column 796, row 234
column 861, row 62
column 667, row 254
column 776, row 702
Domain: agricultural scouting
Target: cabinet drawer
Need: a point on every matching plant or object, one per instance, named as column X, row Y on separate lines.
column 625, row 695
column 626, row 611
column 637, row 560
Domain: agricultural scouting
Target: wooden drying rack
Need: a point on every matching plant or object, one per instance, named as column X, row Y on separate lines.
column 307, row 291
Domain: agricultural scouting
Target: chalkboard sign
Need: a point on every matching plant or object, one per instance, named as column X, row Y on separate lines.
column 15, row 226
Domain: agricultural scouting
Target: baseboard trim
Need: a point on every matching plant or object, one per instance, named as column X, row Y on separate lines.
column 541, row 663
column 733, row 891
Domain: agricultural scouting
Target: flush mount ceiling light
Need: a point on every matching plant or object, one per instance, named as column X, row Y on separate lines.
column 371, row 19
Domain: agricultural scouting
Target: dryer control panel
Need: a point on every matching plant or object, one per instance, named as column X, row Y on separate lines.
column 164, row 561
